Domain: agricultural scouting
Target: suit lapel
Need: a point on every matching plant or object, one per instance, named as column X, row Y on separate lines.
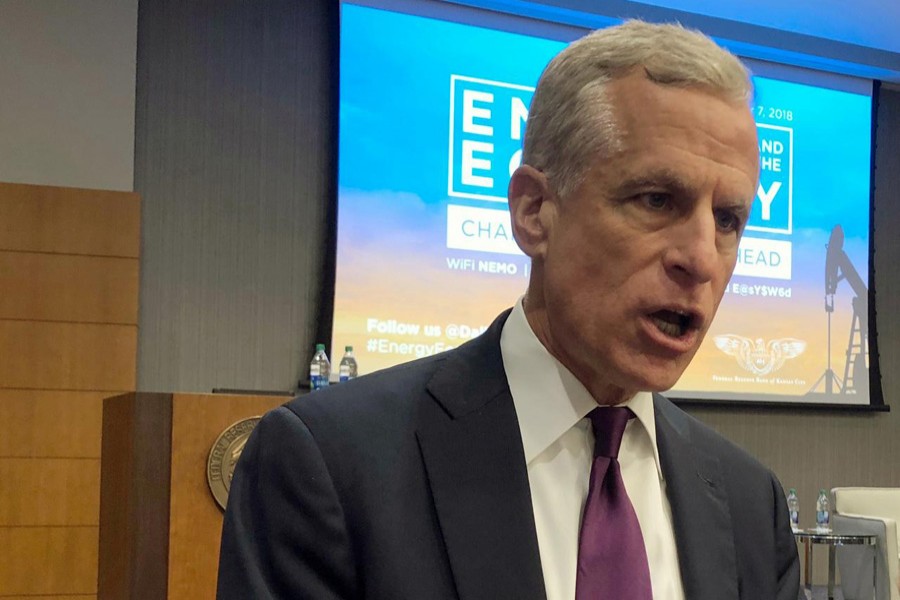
column 472, row 449
column 700, row 513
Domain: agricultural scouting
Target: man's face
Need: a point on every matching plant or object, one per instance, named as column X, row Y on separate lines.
column 635, row 261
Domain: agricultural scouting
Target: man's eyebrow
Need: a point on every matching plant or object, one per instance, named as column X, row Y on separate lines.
column 663, row 179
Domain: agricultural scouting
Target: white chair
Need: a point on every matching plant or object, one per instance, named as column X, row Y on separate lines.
column 875, row 511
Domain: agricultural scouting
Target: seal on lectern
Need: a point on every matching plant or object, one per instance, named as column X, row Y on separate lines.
column 224, row 456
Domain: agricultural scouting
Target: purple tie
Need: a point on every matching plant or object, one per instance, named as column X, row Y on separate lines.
column 612, row 561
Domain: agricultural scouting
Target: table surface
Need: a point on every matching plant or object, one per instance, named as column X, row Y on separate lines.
column 835, row 539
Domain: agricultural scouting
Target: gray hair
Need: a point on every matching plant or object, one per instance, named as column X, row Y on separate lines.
column 571, row 120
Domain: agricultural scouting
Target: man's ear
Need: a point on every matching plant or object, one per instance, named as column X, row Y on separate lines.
column 532, row 207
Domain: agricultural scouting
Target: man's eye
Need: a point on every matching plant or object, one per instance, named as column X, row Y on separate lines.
column 727, row 221
column 656, row 201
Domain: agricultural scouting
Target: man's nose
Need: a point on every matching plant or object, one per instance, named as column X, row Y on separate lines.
column 693, row 255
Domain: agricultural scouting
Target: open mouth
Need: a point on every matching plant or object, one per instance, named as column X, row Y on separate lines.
column 673, row 323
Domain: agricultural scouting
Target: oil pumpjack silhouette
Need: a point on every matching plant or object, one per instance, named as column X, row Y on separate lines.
column 856, row 373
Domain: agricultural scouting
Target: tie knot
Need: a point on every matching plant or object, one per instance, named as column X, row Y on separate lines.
column 609, row 426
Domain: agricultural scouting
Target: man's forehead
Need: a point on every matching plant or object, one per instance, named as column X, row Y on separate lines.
column 644, row 164
column 642, row 108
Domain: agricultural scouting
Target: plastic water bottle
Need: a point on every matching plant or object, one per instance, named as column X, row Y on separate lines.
column 319, row 369
column 823, row 513
column 794, row 509
column 348, row 367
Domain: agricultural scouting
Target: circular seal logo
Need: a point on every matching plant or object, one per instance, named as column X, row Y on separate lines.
column 223, row 458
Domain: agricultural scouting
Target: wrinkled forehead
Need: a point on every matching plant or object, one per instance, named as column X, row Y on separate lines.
column 692, row 131
column 641, row 108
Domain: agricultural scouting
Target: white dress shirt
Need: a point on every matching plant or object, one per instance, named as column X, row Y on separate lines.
column 551, row 405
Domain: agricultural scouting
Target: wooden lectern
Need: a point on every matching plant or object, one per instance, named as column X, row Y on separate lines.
column 159, row 524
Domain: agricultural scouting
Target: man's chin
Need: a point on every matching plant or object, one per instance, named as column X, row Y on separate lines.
column 659, row 387
column 631, row 372
column 657, row 379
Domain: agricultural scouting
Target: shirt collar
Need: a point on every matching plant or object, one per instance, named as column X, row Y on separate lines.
column 548, row 398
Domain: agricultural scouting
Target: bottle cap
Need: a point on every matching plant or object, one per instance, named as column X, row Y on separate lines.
column 792, row 490
column 348, row 348
column 320, row 347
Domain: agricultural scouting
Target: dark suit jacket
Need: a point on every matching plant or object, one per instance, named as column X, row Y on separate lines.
column 411, row 484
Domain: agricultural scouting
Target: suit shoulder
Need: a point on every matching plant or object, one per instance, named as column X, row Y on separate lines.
column 708, row 440
column 383, row 397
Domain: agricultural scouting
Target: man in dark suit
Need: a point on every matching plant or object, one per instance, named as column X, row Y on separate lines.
column 469, row 474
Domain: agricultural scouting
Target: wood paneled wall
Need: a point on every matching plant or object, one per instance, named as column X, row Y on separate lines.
column 68, row 338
